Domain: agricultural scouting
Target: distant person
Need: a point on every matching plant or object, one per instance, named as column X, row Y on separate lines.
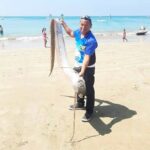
column 124, row 37
column 1, row 30
column 142, row 28
column 44, row 37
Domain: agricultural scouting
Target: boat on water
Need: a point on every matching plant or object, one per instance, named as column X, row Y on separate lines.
column 141, row 31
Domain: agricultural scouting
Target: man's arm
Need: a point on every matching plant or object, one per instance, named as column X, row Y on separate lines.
column 84, row 65
column 67, row 29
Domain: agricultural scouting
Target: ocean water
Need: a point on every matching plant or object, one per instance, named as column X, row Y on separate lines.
column 29, row 27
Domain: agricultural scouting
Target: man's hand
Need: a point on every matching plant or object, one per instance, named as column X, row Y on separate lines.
column 81, row 74
column 62, row 22
column 68, row 30
column 84, row 65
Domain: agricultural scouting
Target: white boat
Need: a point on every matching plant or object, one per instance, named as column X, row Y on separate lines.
column 141, row 32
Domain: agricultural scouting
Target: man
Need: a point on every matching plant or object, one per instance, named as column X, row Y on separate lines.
column 85, row 59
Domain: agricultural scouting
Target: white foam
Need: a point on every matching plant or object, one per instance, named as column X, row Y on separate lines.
column 29, row 38
column 22, row 38
column 101, row 20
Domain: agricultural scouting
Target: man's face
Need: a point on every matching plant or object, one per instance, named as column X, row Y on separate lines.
column 84, row 26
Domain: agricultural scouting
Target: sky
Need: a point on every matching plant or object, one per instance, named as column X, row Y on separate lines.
column 74, row 7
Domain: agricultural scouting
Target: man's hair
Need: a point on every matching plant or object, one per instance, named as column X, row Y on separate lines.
column 87, row 18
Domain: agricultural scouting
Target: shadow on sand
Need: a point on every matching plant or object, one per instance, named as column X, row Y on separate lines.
column 114, row 111
column 108, row 109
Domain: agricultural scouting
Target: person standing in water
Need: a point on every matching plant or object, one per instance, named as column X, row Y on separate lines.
column 44, row 37
column 124, row 36
column 1, row 30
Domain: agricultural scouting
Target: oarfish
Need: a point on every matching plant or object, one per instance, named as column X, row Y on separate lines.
column 58, row 45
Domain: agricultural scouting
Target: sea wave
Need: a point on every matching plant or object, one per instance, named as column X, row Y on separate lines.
column 31, row 38
column 22, row 38
column 101, row 20
column 99, row 34
column 119, row 33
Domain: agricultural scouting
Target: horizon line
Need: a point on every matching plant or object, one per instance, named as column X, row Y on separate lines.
column 74, row 15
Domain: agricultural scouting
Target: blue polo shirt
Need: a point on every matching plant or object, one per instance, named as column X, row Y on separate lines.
column 85, row 45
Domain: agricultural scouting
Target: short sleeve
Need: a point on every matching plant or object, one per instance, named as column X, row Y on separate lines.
column 90, row 47
column 76, row 34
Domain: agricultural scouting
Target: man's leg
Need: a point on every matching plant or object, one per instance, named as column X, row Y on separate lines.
column 90, row 93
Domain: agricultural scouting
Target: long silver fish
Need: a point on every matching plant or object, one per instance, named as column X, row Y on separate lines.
column 58, row 45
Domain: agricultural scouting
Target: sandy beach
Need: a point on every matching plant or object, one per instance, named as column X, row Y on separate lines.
column 34, row 107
